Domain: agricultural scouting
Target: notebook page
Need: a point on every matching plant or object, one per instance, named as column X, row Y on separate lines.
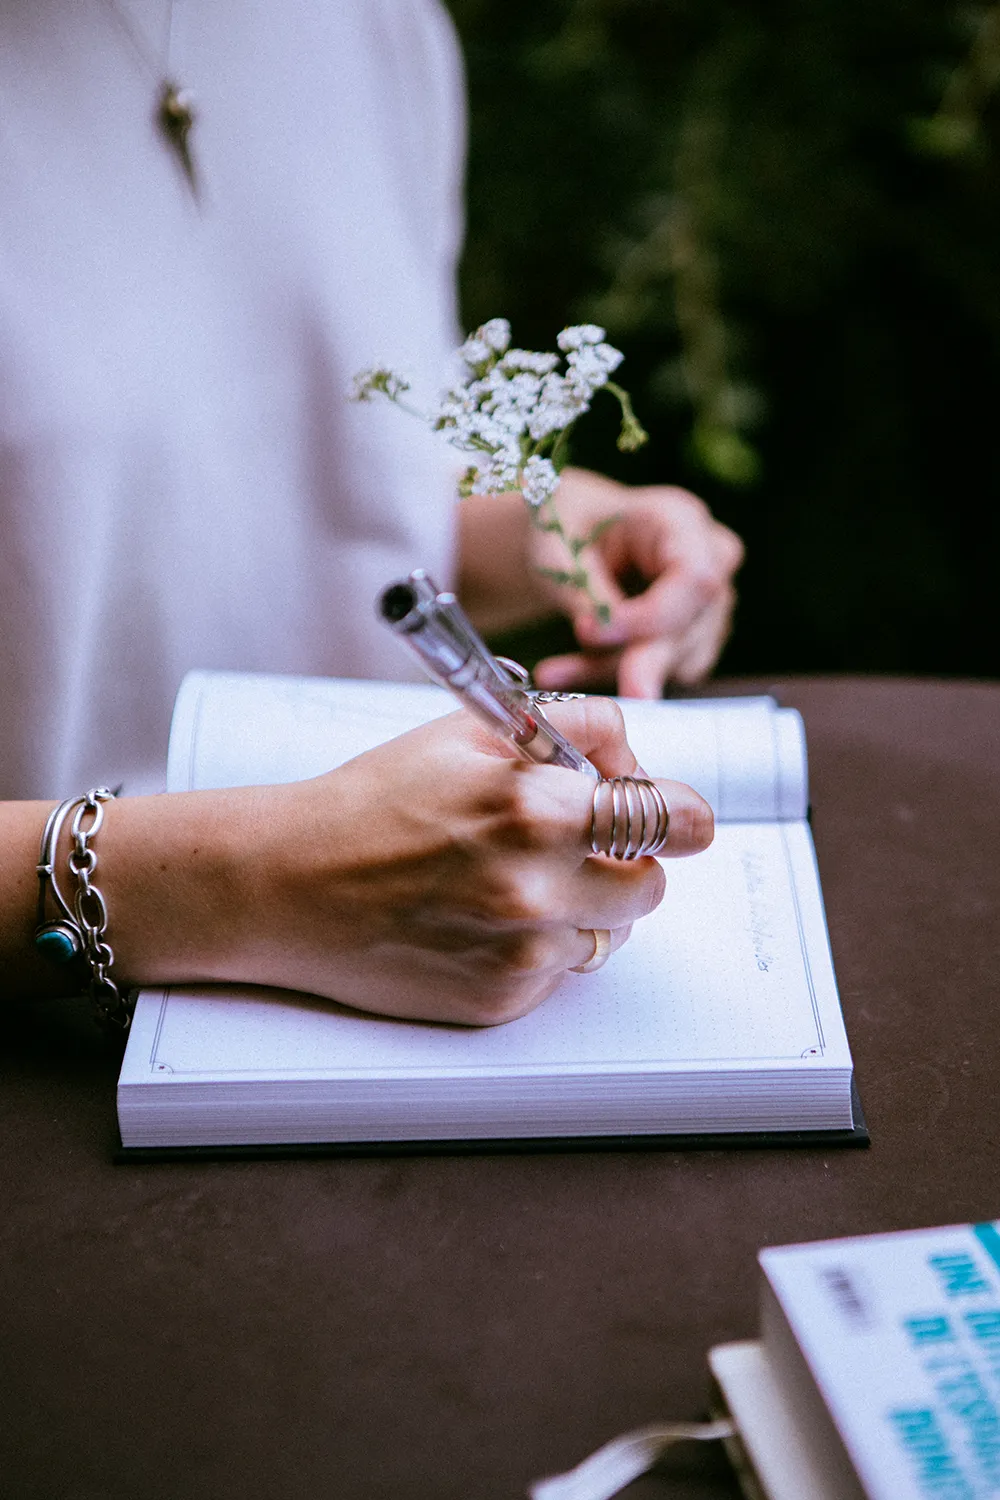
column 791, row 782
column 746, row 756
column 235, row 729
column 733, row 969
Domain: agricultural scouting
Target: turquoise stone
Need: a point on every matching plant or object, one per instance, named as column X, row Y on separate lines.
column 57, row 944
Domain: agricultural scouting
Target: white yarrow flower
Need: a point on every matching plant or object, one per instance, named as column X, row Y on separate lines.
column 525, row 359
column 510, row 410
column 588, row 368
column 496, row 476
column 539, row 481
column 580, row 334
column 377, row 380
column 475, row 352
column 495, row 334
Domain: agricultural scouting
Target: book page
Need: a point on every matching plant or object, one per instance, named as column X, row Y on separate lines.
column 773, row 1455
column 745, row 755
column 732, row 972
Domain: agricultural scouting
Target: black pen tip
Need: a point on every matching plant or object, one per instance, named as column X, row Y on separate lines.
column 397, row 601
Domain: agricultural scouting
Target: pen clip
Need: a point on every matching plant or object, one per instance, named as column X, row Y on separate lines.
column 521, row 677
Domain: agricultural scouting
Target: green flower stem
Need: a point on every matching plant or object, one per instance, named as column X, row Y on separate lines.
column 539, row 461
column 560, row 447
column 547, row 518
column 633, row 435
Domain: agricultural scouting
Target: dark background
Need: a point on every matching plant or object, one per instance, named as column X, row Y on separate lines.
column 787, row 217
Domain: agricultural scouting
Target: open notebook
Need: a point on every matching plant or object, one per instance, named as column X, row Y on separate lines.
column 719, row 1018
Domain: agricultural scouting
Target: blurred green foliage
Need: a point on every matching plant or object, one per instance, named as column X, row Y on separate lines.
column 787, row 215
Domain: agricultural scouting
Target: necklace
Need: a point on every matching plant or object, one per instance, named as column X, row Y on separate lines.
column 174, row 113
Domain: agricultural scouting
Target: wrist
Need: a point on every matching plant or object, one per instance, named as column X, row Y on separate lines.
column 174, row 873
column 498, row 585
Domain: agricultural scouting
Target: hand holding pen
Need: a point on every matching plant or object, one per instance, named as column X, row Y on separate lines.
column 629, row 816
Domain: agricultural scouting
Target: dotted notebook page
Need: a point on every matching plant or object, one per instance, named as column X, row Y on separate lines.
column 733, row 968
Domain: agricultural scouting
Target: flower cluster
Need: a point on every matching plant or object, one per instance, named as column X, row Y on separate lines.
column 509, row 406
column 378, row 381
column 511, row 411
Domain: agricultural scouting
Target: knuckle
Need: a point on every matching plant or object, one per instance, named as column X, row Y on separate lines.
column 524, row 816
column 514, row 899
column 727, row 608
column 647, row 884
column 654, row 887
column 592, row 719
column 627, row 891
column 687, row 500
column 526, row 953
column 731, row 548
column 711, row 576
column 604, row 719
column 706, row 581
column 693, row 671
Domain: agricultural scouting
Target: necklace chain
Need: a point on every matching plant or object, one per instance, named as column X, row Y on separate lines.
column 137, row 41
column 175, row 114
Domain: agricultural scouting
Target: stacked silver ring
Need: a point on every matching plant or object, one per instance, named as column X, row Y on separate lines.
column 629, row 818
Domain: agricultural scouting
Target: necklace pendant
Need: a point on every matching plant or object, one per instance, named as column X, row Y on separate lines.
column 175, row 116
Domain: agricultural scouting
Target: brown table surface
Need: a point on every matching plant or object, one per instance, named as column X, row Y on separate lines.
column 450, row 1328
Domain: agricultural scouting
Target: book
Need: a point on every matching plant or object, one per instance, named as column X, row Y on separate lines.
column 877, row 1371
column 718, row 1021
column 876, row 1377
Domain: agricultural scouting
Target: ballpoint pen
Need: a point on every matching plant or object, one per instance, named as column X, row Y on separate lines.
column 436, row 628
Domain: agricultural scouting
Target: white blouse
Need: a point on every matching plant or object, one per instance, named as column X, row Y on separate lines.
column 183, row 481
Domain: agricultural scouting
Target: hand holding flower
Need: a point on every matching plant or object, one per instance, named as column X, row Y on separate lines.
column 665, row 566
column 511, row 411
column 645, row 574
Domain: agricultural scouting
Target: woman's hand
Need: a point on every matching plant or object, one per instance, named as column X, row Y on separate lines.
column 436, row 877
column 665, row 567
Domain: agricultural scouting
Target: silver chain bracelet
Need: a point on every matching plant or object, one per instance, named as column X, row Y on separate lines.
column 80, row 930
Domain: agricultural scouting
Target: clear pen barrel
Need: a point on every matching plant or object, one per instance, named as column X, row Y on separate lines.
column 438, row 630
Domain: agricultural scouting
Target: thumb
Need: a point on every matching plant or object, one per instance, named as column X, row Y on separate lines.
column 595, row 726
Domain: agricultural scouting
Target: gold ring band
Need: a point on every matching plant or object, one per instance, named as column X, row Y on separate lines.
column 600, row 955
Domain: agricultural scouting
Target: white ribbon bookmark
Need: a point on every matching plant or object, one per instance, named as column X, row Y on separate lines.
column 615, row 1465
